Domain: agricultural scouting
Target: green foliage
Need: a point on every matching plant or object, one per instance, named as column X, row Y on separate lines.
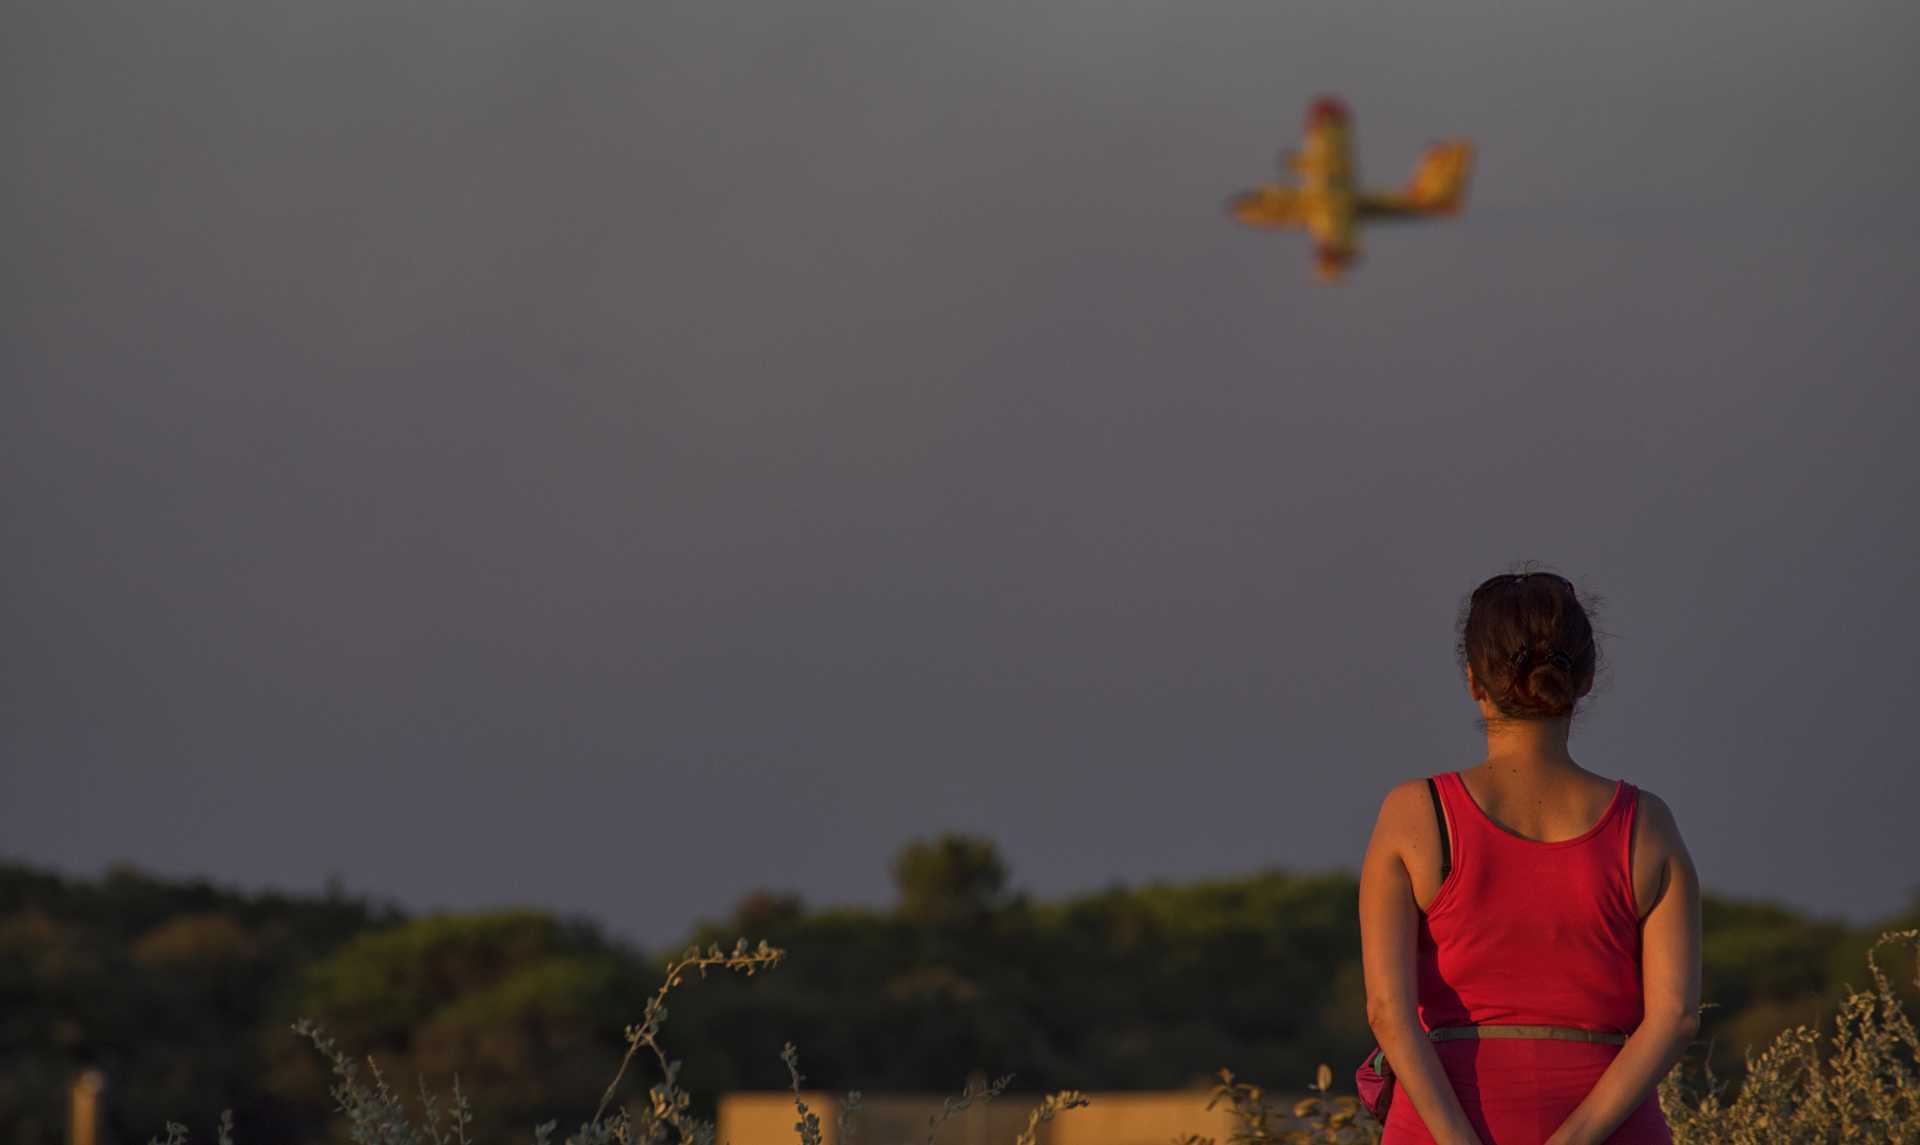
column 164, row 986
column 181, row 993
column 525, row 1005
column 383, row 985
column 1117, row 989
column 375, row 1115
column 954, row 880
column 1764, row 967
column 1866, row 1088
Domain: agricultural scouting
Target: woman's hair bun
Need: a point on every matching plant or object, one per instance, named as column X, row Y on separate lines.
column 1549, row 685
column 1530, row 643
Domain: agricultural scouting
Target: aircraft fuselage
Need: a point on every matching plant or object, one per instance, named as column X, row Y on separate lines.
column 1325, row 167
column 1326, row 201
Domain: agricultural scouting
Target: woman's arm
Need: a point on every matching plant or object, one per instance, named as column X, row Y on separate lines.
column 1388, row 918
column 1670, row 972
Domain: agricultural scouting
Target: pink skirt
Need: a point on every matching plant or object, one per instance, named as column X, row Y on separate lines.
column 1517, row 1091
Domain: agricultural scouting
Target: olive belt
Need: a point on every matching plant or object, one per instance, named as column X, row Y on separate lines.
column 1562, row 1033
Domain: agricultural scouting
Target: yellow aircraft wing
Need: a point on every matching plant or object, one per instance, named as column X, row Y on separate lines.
column 1269, row 206
column 1439, row 186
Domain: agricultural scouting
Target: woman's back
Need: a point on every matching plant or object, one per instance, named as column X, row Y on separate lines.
column 1549, row 809
column 1525, row 932
column 1530, row 930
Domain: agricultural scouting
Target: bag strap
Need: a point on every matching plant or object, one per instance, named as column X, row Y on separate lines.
column 1440, row 817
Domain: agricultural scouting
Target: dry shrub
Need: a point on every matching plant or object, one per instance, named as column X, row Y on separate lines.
column 1864, row 1087
column 1316, row 1119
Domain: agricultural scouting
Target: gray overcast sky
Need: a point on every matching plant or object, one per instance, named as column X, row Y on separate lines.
column 618, row 455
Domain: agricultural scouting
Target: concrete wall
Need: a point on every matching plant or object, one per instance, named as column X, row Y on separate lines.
column 1139, row 1118
column 1150, row 1118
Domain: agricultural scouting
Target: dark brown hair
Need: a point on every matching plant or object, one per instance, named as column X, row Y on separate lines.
column 1530, row 643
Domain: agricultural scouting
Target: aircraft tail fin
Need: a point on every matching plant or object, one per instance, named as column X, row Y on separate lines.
column 1440, row 182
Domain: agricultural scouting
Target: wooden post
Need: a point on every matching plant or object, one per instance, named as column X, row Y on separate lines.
column 83, row 1108
column 976, row 1123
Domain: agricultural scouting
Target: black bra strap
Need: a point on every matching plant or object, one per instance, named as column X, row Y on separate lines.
column 1440, row 817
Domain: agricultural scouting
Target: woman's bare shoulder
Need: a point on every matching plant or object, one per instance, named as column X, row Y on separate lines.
column 1658, row 817
column 1660, row 861
column 1406, row 820
column 1658, row 830
column 1404, row 800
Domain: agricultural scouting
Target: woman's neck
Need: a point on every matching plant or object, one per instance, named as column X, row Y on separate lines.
column 1528, row 745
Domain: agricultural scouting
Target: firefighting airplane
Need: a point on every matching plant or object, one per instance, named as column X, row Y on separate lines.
column 1328, row 205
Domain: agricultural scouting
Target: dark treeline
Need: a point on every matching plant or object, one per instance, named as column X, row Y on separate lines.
column 183, row 993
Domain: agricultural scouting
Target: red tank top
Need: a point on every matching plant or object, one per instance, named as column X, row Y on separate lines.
column 1530, row 933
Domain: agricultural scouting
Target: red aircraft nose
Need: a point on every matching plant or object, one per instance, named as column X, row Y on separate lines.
column 1326, row 109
